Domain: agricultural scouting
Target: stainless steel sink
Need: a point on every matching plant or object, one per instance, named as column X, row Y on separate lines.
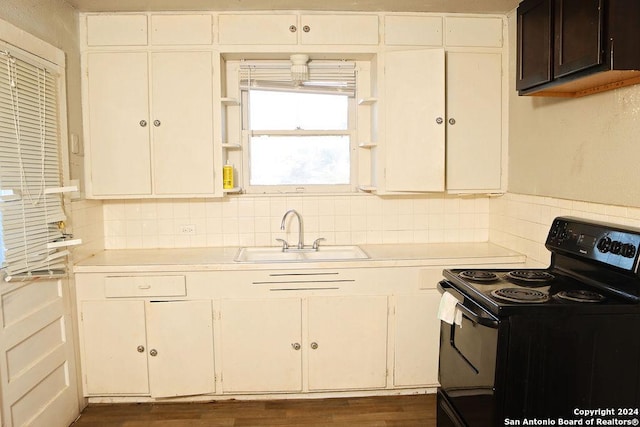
column 276, row 254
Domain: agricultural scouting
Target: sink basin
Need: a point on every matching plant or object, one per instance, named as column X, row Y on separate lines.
column 275, row 254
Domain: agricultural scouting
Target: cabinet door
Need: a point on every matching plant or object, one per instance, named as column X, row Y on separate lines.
column 339, row 29
column 182, row 121
column 114, row 352
column 415, row 130
column 474, row 121
column 258, row 29
column 417, row 337
column 347, row 342
column 535, row 40
column 180, row 348
column 578, row 35
column 258, row 345
column 118, row 106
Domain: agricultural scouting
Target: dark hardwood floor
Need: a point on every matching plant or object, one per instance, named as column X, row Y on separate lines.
column 396, row 411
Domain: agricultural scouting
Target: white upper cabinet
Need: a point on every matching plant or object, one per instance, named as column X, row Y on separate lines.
column 257, row 29
column 402, row 30
column 181, row 29
column 150, row 123
column 117, row 30
column 474, row 121
column 414, row 155
column 473, row 32
column 339, row 29
column 291, row 29
column 116, row 119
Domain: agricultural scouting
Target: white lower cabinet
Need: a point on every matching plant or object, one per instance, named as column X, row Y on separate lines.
column 264, row 345
column 260, row 343
column 417, row 338
column 133, row 347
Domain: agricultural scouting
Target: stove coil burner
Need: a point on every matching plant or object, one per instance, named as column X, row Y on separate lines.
column 581, row 295
column 532, row 278
column 521, row 295
column 478, row 275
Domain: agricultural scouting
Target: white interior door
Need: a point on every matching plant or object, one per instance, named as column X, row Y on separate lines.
column 261, row 345
column 119, row 123
column 415, row 132
column 180, row 348
column 182, row 122
column 347, row 342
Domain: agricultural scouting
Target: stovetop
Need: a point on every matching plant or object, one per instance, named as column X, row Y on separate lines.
column 499, row 291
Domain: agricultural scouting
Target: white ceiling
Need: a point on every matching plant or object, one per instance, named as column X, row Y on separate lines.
column 462, row 6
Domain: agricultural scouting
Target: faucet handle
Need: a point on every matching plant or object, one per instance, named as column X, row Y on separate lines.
column 316, row 243
column 285, row 245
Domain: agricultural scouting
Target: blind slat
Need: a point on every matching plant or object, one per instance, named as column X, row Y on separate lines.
column 29, row 164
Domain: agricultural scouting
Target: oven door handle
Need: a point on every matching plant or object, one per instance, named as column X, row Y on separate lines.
column 488, row 321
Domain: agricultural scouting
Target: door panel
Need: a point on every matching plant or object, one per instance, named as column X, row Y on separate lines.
column 257, row 345
column 350, row 334
column 181, row 332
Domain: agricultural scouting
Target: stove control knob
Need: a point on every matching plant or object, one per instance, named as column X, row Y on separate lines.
column 616, row 246
column 604, row 244
column 628, row 250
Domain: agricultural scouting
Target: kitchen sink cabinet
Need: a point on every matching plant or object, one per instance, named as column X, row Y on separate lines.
column 156, row 348
column 292, row 29
column 347, row 342
column 341, row 340
column 150, row 124
column 260, row 345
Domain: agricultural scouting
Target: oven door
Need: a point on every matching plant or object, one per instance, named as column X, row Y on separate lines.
column 468, row 356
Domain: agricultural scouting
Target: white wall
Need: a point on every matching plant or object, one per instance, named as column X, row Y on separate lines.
column 578, row 149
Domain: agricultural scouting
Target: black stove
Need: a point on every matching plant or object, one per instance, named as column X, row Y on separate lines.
column 535, row 344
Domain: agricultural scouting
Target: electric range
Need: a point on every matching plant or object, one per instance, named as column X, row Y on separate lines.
column 537, row 344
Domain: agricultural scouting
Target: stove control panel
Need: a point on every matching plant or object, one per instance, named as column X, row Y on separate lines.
column 598, row 241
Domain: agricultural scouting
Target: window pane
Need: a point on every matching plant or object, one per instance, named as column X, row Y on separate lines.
column 299, row 160
column 270, row 110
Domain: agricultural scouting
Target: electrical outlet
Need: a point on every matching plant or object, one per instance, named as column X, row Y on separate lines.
column 189, row 229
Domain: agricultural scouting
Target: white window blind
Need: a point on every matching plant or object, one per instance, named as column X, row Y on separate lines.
column 31, row 205
column 324, row 77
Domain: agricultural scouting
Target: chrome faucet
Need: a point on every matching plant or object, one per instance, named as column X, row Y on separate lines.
column 300, row 227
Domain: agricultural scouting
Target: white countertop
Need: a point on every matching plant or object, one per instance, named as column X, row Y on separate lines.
column 221, row 258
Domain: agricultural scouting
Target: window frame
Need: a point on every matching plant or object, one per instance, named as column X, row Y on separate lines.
column 236, row 120
column 313, row 188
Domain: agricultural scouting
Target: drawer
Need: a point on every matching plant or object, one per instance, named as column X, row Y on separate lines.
column 145, row 286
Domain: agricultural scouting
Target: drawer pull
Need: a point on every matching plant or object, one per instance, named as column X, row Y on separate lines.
column 144, row 286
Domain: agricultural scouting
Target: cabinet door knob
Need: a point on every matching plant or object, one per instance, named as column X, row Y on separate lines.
column 143, row 123
column 452, row 121
column 140, row 349
column 296, row 346
column 314, row 345
column 153, row 352
column 439, row 120
column 156, row 123
column 293, row 28
column 306, row 28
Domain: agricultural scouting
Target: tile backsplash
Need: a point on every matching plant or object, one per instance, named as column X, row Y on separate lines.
column 521, row 222
column 255, row 220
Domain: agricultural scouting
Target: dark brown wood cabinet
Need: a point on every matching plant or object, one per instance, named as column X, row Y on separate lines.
column 573, row 48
